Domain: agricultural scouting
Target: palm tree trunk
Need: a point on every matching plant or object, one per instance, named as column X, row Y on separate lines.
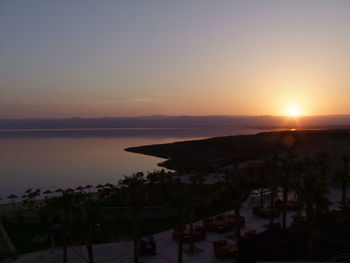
column 65, row 245
column 65, row 236
column 90, row 251
column 309, row 210
column 180, row 249
column 284, row 214
column 309, row 242
column 237, row 225
column 136, row 243
column 65, row 258
column 300, row 204
column 272, row 198
column 343, row 199
column 271, row 207
column 261, row 197
column 13, row 205
column 299, row 211
column 191, row 238
column 309, row 238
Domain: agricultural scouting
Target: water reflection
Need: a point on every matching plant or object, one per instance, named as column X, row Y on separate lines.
column 50, row 159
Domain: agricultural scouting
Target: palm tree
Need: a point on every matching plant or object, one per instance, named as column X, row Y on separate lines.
column 99, row 187
column 109, row 186
column 237, row 187
column 79, row 188
column 134, row 188
column 265, row 173
column 63, row 207
column 321, row 161
column 289, row 166
column 347, row 208
column 107, row 190
column 59, row 191
column 30, row 198
column 261, row 177
column 29, row 190
column 343, row 177
column 311, row 189
column 88, row 214
column 189, row 195
column 47, row 193
column 299, row 169
column 88, row 187
column 272, row 181
column 13, row 197
column 179, row 201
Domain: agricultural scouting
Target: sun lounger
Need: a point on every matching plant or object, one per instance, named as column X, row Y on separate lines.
column 198, row 234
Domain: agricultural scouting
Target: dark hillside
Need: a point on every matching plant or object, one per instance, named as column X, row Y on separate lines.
column 220, row 151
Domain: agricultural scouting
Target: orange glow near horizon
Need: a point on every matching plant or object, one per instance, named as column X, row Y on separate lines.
column 293, row 110
column 229, row 58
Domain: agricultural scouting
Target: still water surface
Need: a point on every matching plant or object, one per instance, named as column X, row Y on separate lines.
column 57, row 159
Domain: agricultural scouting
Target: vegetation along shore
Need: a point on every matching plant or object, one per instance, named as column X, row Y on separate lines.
column 299, row 169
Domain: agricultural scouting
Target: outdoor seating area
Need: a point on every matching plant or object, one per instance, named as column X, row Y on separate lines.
column 223, row 223
column 222, row 249
column 198, row 234
column 215, row 247
column 266, row 212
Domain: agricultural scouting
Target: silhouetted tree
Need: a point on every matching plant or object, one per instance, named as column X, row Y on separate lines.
column 62, row 207
column 135, row 190
column 237, row 187
column 343, row 177
column 13, row 198
column 311, row 189
column 286, row 179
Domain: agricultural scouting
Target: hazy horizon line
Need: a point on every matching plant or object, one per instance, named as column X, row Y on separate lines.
column 175, row 116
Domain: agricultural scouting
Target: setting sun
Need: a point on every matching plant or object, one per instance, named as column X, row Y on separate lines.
column 293, row 111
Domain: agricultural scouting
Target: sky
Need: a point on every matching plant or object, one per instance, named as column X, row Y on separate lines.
column 86, row 58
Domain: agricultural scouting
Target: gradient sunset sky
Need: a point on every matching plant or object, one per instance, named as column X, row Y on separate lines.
column 132, row 58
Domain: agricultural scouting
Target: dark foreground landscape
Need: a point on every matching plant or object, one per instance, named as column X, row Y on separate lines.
column 221, row 151
column 124, row 131
column 270, row 196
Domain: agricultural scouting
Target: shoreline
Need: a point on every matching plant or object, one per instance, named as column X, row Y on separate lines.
column 219, row 151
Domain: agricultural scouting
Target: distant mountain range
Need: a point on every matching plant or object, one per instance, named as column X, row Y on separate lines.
column 160, row 121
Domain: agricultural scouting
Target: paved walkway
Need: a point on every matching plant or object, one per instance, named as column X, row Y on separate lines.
column 166, row 248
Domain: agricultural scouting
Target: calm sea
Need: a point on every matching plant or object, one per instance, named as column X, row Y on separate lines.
column 50, row 159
